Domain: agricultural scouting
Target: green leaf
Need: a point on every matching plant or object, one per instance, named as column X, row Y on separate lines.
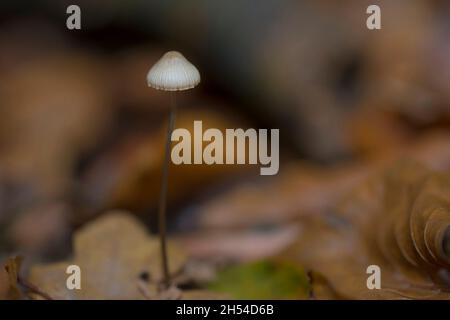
column 263, row 280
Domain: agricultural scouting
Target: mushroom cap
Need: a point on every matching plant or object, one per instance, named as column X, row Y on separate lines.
column 173, row 72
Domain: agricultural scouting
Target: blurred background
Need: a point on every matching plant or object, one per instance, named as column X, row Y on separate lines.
column 81, row 133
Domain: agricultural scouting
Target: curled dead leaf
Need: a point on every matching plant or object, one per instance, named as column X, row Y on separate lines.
column 400, row 221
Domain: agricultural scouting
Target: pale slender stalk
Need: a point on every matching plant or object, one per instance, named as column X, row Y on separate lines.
column 163, row 194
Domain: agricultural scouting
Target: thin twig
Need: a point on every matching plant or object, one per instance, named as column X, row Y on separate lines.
column 33, row 288
column 143, row 289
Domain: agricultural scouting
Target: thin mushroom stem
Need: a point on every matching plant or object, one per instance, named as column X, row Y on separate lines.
column 163, row 194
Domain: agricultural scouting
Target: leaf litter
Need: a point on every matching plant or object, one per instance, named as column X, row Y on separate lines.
column 112, row 252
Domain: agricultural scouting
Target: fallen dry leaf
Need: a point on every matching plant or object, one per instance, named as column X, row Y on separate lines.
column 399, row 221
column 321, row 287
column 4, row 284
column 246, row 245
column 112, row 252
column 9, row 279
column 299, row 189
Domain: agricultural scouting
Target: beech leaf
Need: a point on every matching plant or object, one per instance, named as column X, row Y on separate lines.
column 112, row 252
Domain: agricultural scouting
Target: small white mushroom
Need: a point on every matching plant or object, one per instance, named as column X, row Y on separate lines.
column 173, row 72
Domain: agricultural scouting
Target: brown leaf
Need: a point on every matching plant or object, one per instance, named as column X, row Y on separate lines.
column 4, row 284
column 321, row 287
column 239, row 245
column 399, row 221
column 9, row 276
column 112, row 252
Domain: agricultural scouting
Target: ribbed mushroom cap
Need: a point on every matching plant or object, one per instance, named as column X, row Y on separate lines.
column 173, row 72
